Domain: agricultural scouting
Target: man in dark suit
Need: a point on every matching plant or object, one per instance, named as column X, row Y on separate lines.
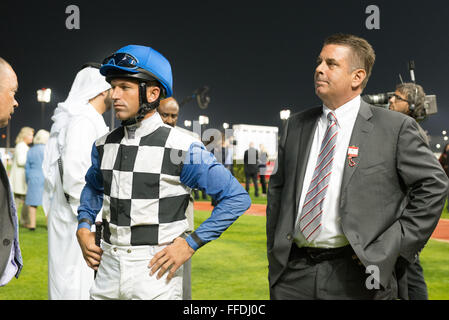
column 251, row 168
column 409, row 99
column 335, row 225
column 10, row 256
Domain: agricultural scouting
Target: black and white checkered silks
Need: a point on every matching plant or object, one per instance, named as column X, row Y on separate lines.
column 144, row 201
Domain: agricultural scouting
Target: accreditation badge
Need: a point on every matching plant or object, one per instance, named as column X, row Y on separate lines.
column 353, row 152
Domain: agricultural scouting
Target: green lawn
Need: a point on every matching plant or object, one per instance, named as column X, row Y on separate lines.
column 234, row 266
column 435, row 262
column 261, row 199
column 231, row 267
column 32, row 283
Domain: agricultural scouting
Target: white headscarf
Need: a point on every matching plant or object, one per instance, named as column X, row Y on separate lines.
column 88, row 84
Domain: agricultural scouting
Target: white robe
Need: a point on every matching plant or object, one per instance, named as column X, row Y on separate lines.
column 69, row 277
column 77, row 126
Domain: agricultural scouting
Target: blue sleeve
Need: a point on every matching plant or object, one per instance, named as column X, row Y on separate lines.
column 202, row 171
column 91, row 199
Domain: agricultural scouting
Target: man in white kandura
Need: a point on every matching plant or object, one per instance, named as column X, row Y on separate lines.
column 78, row 122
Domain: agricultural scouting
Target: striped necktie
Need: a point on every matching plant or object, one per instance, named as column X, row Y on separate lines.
column 312, row 210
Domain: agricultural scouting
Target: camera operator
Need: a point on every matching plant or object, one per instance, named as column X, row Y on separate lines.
column 409, row 100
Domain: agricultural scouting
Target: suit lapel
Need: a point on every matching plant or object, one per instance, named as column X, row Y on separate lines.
column 308, row 127
column 360, row 133
column 5, row 181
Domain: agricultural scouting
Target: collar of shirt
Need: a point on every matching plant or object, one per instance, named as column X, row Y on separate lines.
column 346, row 114
column 144, row 127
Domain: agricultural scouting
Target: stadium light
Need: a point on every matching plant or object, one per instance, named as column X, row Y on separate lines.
column 285, row 114
column 43, row 96
column 203, row 120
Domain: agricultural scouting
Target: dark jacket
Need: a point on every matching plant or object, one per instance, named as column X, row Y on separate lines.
column 393, row 162
column 8, row 225
column 250, row 160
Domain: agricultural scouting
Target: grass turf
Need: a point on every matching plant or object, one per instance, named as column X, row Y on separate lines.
column 435, row 263
column 261, row 199
column 232, row 267
column 32, row 282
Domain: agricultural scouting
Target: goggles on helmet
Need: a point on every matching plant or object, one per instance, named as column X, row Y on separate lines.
column 122, row 59
column 125, row 60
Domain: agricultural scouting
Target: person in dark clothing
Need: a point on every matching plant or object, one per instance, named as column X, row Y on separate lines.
column 444, row 159
column 263, row 167
column 11, row 262
column 409, row 99
column 251, row 167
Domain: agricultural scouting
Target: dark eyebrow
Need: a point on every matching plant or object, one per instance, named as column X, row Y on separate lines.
column 120, row 83
column 330, row 60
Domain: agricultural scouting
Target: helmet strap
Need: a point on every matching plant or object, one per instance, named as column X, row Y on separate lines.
column 144, row 108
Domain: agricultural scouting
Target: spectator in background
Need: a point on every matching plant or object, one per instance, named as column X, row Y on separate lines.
column 35, row 176
column 219, row 151
column 229, row 155
column 250, row 167
column 169, row 112
column 409, row 99
column 168, row 109
column 17, row 174
column 444, row 159
column 263, row 158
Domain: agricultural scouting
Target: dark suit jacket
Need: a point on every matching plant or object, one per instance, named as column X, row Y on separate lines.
column 250, row 160
column 393, row 158
column 8, row 225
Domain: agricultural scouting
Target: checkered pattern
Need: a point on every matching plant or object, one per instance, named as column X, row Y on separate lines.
column 144, row 201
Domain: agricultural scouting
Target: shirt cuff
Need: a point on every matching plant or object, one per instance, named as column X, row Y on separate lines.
column 194, row 241
column 84, row 225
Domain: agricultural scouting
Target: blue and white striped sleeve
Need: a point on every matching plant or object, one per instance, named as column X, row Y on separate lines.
column 202, row 171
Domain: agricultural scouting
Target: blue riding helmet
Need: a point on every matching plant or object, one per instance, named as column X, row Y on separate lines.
column 139, row 62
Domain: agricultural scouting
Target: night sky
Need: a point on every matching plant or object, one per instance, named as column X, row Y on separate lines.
column 257, row 57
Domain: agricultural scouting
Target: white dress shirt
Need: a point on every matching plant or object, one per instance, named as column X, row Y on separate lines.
column 331, row 235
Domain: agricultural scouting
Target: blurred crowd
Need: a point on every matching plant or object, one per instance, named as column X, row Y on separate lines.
column 26, row 174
